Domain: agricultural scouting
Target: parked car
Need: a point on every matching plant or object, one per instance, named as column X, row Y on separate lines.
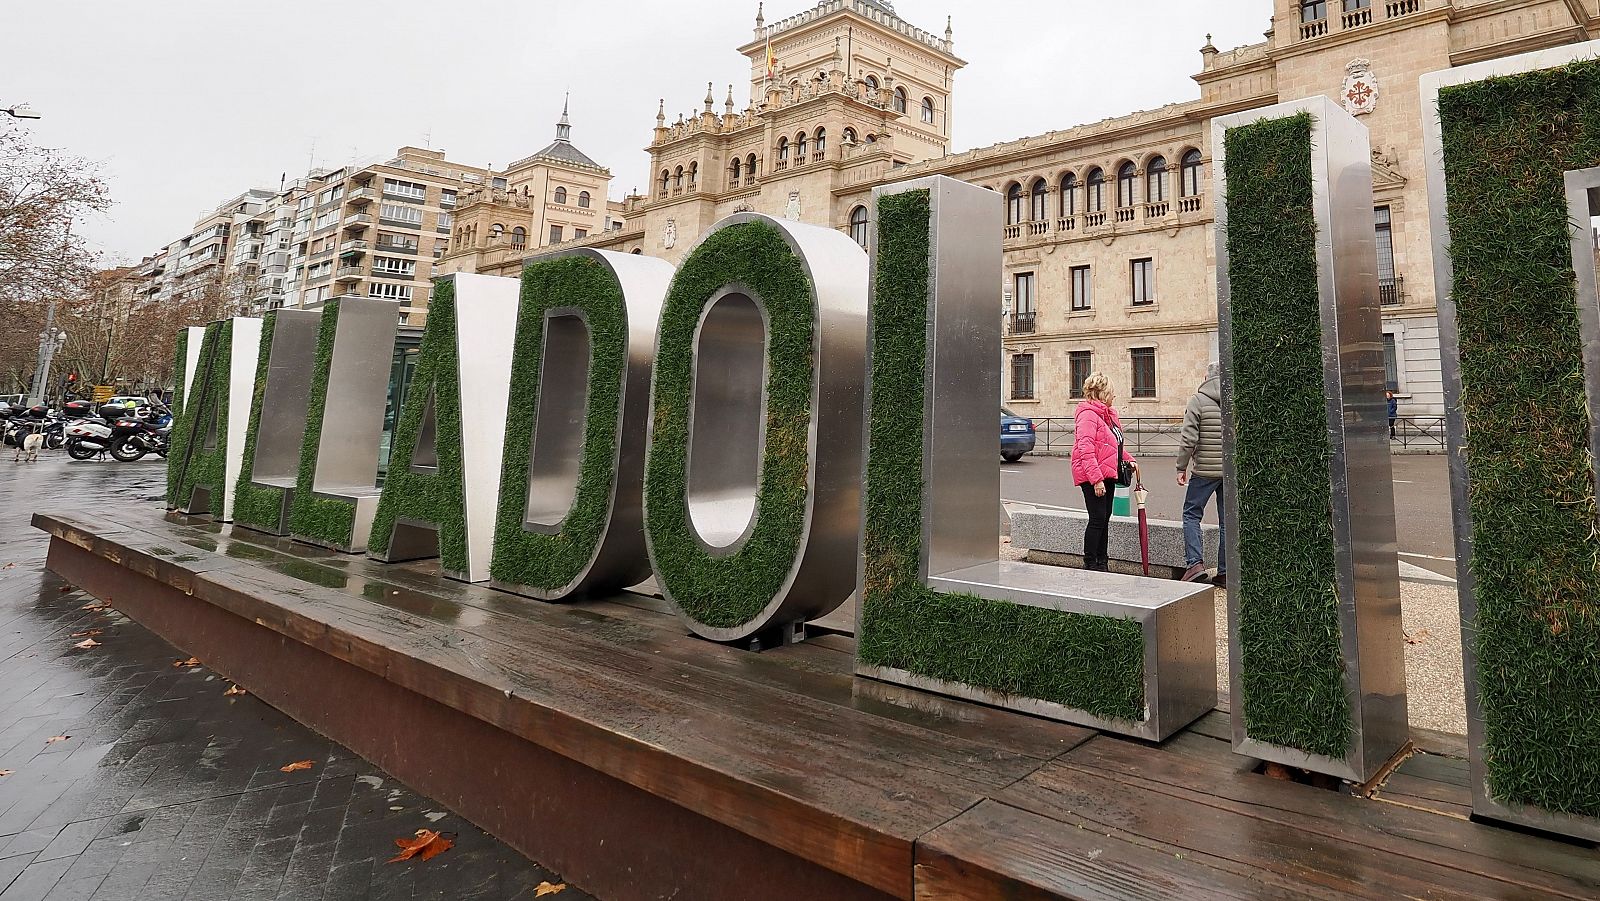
column 1016, row 436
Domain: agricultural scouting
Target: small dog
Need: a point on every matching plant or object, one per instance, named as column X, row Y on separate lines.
column 29, row 448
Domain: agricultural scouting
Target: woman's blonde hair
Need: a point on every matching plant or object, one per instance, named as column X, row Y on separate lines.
column 1097, row 387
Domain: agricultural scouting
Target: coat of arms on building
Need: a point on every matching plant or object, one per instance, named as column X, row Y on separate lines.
column 1360, row 93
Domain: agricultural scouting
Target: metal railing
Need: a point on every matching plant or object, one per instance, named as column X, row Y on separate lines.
column 1418, row 432
column 1157, row 436
column 1391, row 290
column 1022, row 322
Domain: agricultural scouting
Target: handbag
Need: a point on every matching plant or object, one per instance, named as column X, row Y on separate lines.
column 1124, row 468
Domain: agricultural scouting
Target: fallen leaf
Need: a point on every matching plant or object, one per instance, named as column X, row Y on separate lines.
column 235, row 690
column 1417, row 637
column 87, row 643
column 192, row 661
column 545, row 888
column 297, row 766
column 5, row 772
column 9, row 565
column 426, row 845
column 64, row 589
column 89, row 633
column 95, row 607
column 55, row 738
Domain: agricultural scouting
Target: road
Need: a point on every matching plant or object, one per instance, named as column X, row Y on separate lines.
column 1421, row 488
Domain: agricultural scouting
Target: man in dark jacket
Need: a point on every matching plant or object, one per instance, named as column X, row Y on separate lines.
column 1200, row 447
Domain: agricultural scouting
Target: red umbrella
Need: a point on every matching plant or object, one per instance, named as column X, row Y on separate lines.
column 1139, row 494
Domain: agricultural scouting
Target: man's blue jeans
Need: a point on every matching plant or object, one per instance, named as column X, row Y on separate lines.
column 1194, row 507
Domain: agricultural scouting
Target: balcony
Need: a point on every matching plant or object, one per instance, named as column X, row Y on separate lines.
column 353, row 247
column 1094, row 220
column 1157, row 209
column 1022, row 322
column 1313, row 29
column 1356, row 18
column 1013, row 232
column 1067, row 223
column 361, row 195
column 349, row 273
column 1394, row 9
column 322, row 254
column 1125, row 214
column 397, row 248
column 1391, row 291
column 357, row 221
column 1190, row 204
column 1038, row 227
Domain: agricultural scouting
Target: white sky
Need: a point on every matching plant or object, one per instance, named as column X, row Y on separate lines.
column 188, row 102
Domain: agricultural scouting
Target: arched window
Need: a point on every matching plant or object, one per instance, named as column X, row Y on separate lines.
column 677, row 179
column 1095, row 191
column 666, row 178
column 927, row 110
column 822, row 142
column 858, row 225
column 849, row 136
column 519, row 237
column 735, row 169
column 1189, row 177
column 900, row 100
column 694, row 172
column 872, row 82
column 561, row 196
column 637, row 251
column 800, row 146
column 872, row 139
column 1013, row 204
column 750, row 165
column 1155, row 180
column 783, row 150
column 495, row 231
column 1069, row 195
column 1125, row 178
column 1036, row 195
column 583, row 199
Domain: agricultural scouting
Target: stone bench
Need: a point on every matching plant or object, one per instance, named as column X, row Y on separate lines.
column 1056, row 537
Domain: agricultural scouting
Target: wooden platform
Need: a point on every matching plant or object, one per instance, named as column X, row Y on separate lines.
column 643, row 763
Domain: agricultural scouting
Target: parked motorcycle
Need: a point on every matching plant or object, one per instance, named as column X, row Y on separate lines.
column 131, row 439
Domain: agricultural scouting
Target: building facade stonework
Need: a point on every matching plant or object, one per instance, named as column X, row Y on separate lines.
column 1109, row 246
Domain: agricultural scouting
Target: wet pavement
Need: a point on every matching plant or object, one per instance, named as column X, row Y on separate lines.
column 124, row 775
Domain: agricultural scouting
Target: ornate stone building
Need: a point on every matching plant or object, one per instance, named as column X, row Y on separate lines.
column 1109, row 254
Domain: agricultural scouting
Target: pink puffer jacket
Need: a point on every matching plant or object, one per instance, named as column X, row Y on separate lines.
column 1094, row 445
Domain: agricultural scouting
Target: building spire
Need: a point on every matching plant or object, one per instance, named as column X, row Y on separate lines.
column 729, row 104
column 761, row 14
column 949, row 30
column 661, row 113
column 710, row 100
column 564, row 127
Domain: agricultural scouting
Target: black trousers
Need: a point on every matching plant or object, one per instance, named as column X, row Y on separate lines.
column 1096, row 536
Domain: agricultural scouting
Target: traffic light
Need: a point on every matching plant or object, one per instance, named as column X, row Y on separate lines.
column 72, row 378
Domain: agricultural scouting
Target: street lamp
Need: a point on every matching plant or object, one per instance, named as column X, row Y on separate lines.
column 22, row 111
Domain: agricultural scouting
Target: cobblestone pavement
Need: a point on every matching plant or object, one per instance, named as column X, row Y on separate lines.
column 123, row 776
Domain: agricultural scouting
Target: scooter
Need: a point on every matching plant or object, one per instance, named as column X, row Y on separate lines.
column 91, row 436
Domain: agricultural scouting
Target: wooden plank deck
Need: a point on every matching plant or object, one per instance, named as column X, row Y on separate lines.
column 689, row 747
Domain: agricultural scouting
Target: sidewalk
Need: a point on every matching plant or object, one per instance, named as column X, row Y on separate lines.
column 125, row 776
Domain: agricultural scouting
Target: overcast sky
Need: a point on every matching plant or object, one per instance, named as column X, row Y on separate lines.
column 185, row 103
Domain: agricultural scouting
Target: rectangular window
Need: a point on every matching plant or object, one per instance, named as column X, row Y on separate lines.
column 578, row 233
column 1142, row 276
column 399, row 212
column 439, row 247
column 1144, row 372
column 555, row 234
column 389, row 291
column 331, row 217
column 306, row 203
column 1022, row 304
column 498, row 183
column 410, row 190
column 1391, row 362
column 1313, row 10
column 1082, row 288
column 447, row 198
column 1080, row 364
column 1022, row 376
column 446, row 220
column 395, row 243
column 393, row 266
column 1388, row 285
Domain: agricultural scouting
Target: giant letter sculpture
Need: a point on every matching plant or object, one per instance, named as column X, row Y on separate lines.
column 938, row 610
column 211, row 429
column 753, row 480
column 1513, row 154
column 265, row 489
column 336, row 492
column 1316, row 661
column 444, row 471
column 570, row 520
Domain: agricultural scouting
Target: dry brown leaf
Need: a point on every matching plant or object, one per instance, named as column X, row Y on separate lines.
column 87, row 633
column 297, row 766
column 1417, row 637
column 545, row 888
column 234, row 690
column 5, row 772
column 55, row 738
column 87, row 643
column 64, row 589
column 192, row 661
column 95, row 608
column 427, row 845
column 9, row 565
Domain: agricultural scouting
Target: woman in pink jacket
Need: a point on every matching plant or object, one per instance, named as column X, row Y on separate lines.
column 1096, row 440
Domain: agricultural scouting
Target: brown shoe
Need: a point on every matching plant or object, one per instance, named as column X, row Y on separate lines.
column 1220, row 580
column 1195, row 573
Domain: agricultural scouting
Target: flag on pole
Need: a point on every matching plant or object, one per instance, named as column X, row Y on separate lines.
column 772, row 62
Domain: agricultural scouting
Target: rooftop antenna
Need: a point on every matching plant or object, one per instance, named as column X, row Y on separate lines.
column 311, row 155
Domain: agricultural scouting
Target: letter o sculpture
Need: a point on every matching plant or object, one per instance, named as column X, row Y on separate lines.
column 753, row 474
